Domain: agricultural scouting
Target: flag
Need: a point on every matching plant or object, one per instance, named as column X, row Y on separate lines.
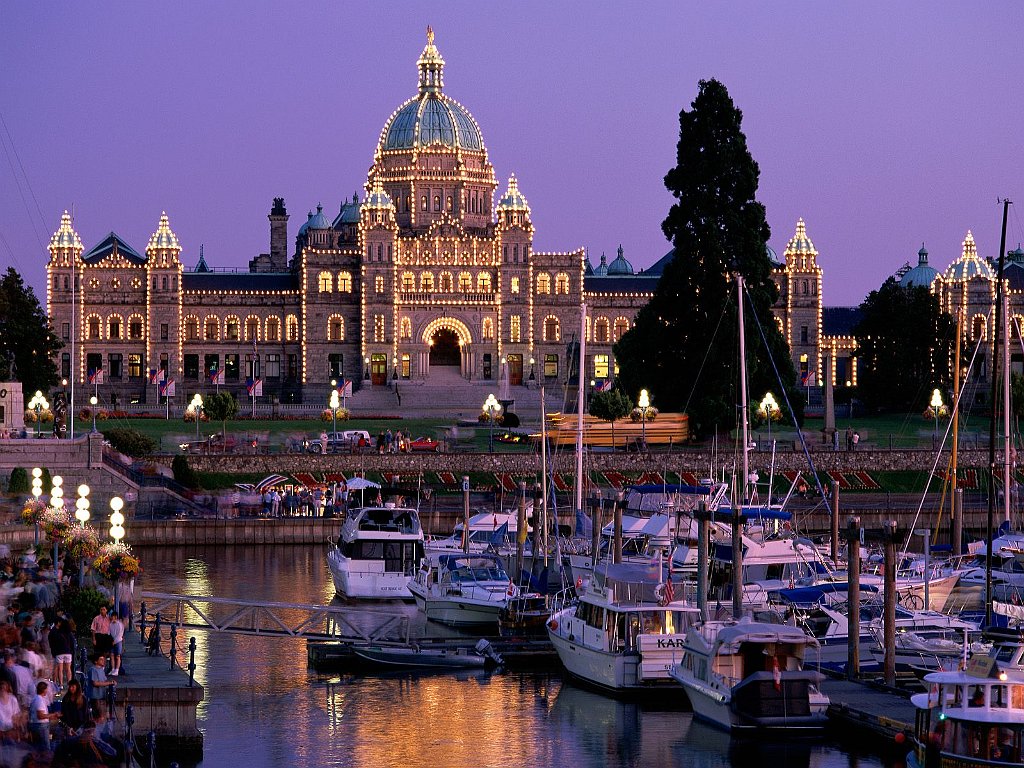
column 604, row 386
column 153, row 375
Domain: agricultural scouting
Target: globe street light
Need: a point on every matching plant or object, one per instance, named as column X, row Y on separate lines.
column 93, row 402
column 643, row 404
column 492, row 407
column 769, row 406
column 936, row 404
column 38, row 404
column 334, row 404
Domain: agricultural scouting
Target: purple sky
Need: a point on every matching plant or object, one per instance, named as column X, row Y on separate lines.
column 882, row 124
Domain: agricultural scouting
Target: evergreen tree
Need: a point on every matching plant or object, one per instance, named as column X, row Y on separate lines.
column 27, row 345
column 683, row 346
column 904, row 347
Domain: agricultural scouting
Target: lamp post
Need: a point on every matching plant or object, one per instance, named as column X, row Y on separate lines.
column 93, row 402
column 197, row 408
column 492, row 407
column 769, row 406
column 37, row 491
column 37, row 404
column 643, row 404
column 334, row 405
column 936, row 405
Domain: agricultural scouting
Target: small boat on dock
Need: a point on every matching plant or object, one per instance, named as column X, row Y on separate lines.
column 749, row 676
column 376, row 553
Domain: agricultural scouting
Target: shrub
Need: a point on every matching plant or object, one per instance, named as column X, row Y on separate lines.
column 130, row 442
column 19, row 482
column 183, row 473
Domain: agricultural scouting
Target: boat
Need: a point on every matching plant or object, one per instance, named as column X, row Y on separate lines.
column 974, row 716
column 462, row 590
column 376, row 553
column 748, row 675
column 623, row 633
column 414, row 656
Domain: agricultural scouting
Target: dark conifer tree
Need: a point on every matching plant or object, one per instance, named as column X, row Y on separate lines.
column 683, row 347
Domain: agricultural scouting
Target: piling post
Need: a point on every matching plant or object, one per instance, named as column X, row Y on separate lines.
column 520, row 529
column 853, row 534
column 465, row 513
column 889, row 602
column 703, row 526
column 835, row 522
column 617, row 541
column 958, row 521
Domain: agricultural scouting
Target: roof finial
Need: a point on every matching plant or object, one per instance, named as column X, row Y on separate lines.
column 430, row 35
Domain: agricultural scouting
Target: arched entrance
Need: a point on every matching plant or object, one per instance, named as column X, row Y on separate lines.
column 445, row 348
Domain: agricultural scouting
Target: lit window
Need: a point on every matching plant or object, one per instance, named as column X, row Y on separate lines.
column 600, row 366
column 515, row 285
column 514, row 333
column 543, row 283
column 552, row 329
column 326, row 282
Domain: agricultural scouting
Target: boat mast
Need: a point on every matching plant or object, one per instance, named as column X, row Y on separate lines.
column 579, row 411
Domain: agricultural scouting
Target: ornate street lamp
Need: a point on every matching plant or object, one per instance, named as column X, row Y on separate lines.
column 643, row 404
column 769, row 406
column 492, row 408
column 93, row 402
column 936, row 405
column 38, row 404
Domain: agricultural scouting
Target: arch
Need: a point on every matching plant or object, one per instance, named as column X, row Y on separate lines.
column 408, row 282
column 405, row 328
column 465, row 282
column 427, row 282
column 552, row 329
column 273, row 329
column 445, row 283
column 487, row 330
column 448, row 323
column 232, row 328
column 335, row 328
column 325, row 282
column 562, row 283
column 252, row 328
column 211, row 328
column 601, row 326
column 620, row 327
column 93, row 327
column 115, row 327
column 543, row 283
column 291, row 328
column 345, row 282
column 136, row 326
column 483, row 282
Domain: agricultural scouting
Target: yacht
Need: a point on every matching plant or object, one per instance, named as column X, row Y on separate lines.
column 624, row 632
column 748, row 675
column 376, row 553
column 463, row 589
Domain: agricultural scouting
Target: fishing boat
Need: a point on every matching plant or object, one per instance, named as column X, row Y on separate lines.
column 462, row 590
column 376, row 553
column 748, row 675
column 625, row 631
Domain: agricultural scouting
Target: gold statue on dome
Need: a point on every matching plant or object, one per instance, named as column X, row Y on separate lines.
column 430, row 35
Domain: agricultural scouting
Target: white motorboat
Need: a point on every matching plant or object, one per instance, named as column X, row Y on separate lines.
column 462, row 590
column 623, row 633
column 748, row 675
column 376, row 553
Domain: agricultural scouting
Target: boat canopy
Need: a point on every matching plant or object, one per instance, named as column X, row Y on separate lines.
column 815, row 594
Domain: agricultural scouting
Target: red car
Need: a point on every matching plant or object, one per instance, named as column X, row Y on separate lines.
column 425, row 444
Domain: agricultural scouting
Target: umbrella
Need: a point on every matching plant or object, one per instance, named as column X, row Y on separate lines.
column 360, row 483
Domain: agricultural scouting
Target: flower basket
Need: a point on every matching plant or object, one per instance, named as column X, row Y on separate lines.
column 116, row 562
column 55, row 523
column 82, row 542
column 32, row 512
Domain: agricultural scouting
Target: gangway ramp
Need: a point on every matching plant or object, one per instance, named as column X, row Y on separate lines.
column 267, row 619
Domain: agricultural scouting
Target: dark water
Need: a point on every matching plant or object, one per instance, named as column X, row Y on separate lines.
column 265, row 708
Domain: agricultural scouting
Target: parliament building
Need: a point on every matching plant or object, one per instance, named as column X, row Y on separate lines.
column 434, row 271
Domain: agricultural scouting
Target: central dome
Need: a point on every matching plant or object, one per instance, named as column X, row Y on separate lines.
column 431, row 118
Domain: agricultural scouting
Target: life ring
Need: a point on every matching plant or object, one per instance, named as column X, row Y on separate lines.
column 659, row 592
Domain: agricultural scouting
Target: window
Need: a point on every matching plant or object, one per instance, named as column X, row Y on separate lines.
column 273, row 366
column 543, row 283
column 115, row 365
column 601, row 330
column 562, row 283
column 552, row 329
column 135, row 366
column 292, row 328
column 408, row 281
column 114, row 328
column 378, row 328
column 483, row 282
column 231, row 326
column 514, row 333
column 550, row 366
column 487, row 330
column 407, row 362
column 65, row 366
column 600, row 366
column 94, row 327
column 212, row 326
column 465, row 282
column 378, row 283
column 252, row 328
column 446, row 282
column 192, row 328
column 344, row 282
column 336, row 366
column 231, row 369
column 515, row 285
column 65, row 331
column 273, row 329
column 164, row 331
column 336, row 328
column 406, row 329
column 191, row 366
column 325, row 281
column 803, row 334
column 252, row 366
column 621, row 326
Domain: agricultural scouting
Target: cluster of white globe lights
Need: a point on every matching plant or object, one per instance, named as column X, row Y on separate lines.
column 81, row 503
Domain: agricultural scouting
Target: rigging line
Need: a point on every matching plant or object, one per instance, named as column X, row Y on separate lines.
column 938, row 453
column 28, row 184
column 21, row 193
column 707, row 353
column 785, row 396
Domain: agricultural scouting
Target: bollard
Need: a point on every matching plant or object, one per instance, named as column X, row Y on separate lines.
column 174, row 644
column 191, row 661
column 142, row 623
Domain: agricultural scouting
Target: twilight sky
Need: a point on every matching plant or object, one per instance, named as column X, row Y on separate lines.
column 881, row 124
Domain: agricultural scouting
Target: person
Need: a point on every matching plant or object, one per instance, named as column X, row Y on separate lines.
column 101, row 631
column 74, row 707
column 40, row 717
column 116, row 644
column 97, row 679
column 10, row 713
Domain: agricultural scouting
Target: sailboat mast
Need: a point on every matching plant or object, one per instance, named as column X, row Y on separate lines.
column 743, row 395
column 579, row 410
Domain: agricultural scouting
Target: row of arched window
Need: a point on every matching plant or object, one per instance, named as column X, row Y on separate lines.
column 254, row 328
column 326, row 284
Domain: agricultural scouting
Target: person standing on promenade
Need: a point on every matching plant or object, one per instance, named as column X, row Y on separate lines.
column 101, row 641
column 117, row 644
